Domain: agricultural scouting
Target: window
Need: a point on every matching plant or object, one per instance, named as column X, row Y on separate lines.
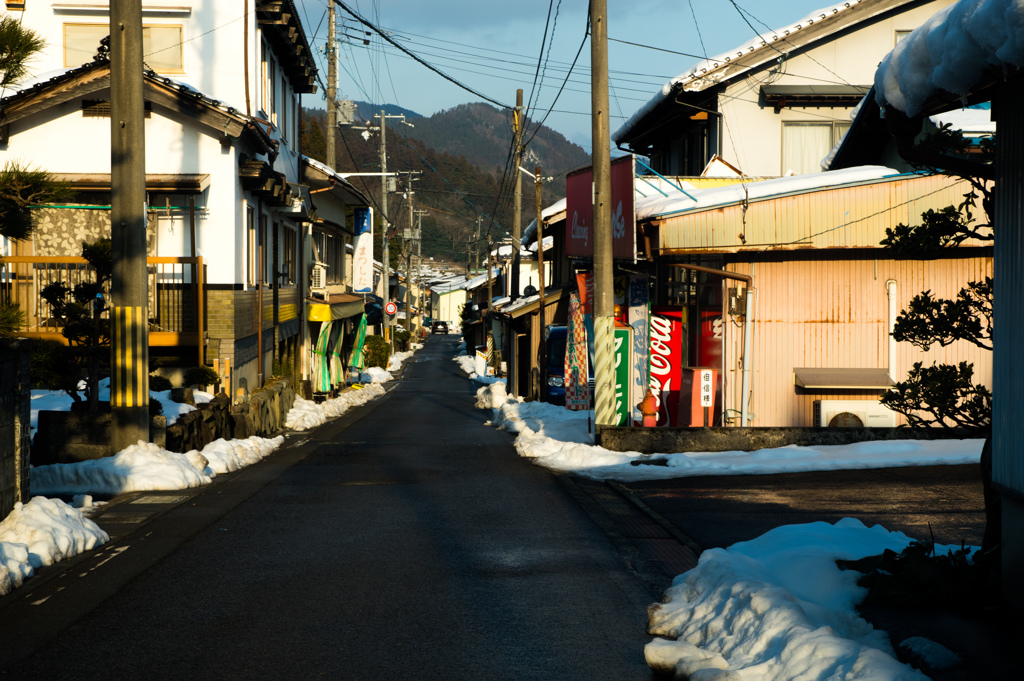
column 251, row 246
column 900, row 35
column 161, row 45
column 271, row 253
column 284, row 109
column 288, row 263
column 805, row 145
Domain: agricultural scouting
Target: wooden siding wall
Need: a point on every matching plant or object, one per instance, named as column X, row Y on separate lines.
column 834, row 314
column 847, row 217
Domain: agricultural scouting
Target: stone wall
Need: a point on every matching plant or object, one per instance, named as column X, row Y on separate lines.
column 263, row 415
column 671, row 440
column 15, row 422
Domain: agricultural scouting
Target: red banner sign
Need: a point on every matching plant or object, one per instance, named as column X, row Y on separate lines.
column 668, row 355
column 579, row 214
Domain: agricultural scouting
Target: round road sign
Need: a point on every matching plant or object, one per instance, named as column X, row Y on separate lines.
column 391, row 308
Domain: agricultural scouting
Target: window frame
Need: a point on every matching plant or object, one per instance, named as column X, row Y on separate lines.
column 104, row 29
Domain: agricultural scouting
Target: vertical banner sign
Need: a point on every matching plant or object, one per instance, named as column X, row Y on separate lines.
column 622, row 374
column 362, row 261
column 585, row 282
column 129, row 384
column 579, row 211
column 668, row 354
column 638, row 318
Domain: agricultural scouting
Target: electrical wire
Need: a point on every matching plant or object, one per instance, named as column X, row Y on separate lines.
column 436, row 70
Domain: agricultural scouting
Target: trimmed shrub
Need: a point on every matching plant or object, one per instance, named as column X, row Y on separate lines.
column 203, row 375
column 402, row 340
column 376, row 352
column 159, row 383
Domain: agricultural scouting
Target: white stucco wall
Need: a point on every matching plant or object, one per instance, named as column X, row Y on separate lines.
column 752, row 135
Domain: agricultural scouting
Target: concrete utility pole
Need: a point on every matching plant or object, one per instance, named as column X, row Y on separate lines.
column 129, row 318
column 517, row 206
column 407, row 245
column 542, row 362
column 476, row 246
column 604, row 302
column 332, row 92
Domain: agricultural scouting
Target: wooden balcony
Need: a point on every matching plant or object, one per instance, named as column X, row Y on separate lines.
column 176, row 309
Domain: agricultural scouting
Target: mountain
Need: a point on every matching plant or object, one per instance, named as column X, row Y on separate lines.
column 483, row 135
column 365, row 111
column 458, row 160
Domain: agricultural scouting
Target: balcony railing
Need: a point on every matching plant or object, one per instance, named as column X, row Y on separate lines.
column 176, row 312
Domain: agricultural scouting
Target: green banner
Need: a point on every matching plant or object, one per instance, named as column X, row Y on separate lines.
column 622, row 372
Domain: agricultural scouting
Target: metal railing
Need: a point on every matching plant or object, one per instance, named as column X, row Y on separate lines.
column 176, row 310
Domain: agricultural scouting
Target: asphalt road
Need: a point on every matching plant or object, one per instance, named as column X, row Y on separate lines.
column 403, row 540
column 944, row 502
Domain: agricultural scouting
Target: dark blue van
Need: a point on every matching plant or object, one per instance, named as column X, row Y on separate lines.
column 554, row 390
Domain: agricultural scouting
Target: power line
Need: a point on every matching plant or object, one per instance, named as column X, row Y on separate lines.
column 415, row 57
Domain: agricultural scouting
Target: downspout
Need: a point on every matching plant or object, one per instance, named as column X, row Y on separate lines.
column 748, row 330
column 890, row 290
column 245, row 59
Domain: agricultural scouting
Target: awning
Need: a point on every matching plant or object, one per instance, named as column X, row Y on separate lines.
column 781, row 96
column 337, row 306
column 842, row 379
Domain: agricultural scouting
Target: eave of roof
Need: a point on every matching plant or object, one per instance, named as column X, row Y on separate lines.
column 739, row 61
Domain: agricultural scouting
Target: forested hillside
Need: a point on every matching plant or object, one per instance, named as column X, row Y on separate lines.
column 452, row 189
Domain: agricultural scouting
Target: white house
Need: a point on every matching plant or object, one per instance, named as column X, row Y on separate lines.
column 778, row 103
column 226, row 179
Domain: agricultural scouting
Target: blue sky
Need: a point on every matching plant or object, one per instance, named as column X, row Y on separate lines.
column 479, row 44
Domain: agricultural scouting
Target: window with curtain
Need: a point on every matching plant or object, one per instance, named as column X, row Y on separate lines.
column 161, row 45
column 805, row 145
column 250, row 246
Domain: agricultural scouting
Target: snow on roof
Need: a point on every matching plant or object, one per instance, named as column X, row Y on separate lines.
column 971, row 122
column 705, row 73
column 482, row 279
column 951, row 52
column 702, row 199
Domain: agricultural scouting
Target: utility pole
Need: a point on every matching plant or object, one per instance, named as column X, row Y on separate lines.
column 388, row 333
column 604, row 303
column 517, row 207
column 129, row 319
column 476, row 245
column 407, row 245
column 332, row 92
column 542, row 350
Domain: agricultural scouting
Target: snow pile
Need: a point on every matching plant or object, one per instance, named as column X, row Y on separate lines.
column 775, row 608
column 491, row 396
column 468, row 366
column 951, row 52
column 375, row 375
column 224, row 456
column 144, row 466
column 305, row 414
column 397, row 358
column 561, row 440
column 42, row 532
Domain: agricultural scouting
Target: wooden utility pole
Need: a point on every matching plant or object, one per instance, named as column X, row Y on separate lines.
column 517, row 206
column 332, row 92
column 129, row 319
column 604, row 302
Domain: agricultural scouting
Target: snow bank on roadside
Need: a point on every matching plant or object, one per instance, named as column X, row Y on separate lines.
column 798, row 618
column 42, row 532
column 224, row 456
column 143, row 466
column 305, row 414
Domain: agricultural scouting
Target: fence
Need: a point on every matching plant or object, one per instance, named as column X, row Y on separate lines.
column 176, row 296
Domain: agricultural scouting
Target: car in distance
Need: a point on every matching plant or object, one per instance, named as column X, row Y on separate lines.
column 439, row 327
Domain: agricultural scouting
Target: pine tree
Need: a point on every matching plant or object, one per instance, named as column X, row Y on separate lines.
column 20, row 186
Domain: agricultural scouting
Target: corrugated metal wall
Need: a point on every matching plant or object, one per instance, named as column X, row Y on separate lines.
column 834, row 314
column 849, row 217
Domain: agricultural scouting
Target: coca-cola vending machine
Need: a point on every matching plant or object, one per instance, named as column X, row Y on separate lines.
column 668, row 356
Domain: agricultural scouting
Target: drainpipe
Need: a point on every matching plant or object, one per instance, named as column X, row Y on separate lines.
column 748, row 330
column 890, row 290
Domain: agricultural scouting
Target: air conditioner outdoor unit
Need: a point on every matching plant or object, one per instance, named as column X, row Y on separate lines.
column 319, row 278
column 852, row 414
